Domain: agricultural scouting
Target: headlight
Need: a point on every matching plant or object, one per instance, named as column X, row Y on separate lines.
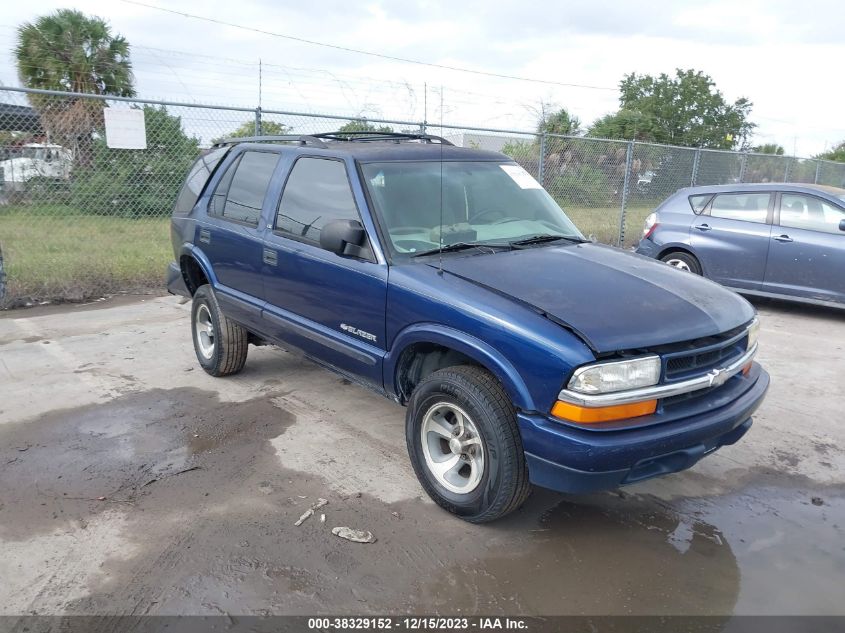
column 753, row 332
column 616, row 375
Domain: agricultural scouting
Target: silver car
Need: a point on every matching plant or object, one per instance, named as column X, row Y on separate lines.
column 774, row 240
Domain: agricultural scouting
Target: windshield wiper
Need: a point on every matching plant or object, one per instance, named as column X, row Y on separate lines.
column 545, row 237
column 460, row 246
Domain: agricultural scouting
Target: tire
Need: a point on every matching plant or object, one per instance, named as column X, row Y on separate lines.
column 491, row 480
column 222, row 349
column 682, row 261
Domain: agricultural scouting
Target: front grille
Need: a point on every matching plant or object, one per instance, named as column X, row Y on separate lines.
column 702, row 361
column 699, row 357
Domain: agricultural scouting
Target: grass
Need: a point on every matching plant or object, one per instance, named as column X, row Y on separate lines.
column 53, row 252
column 603, row 222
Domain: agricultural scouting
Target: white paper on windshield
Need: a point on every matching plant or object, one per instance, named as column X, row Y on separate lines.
column 125, row 128
column 521, row 177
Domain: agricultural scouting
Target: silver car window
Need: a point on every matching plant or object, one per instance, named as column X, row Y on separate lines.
column 801, row 211
column 749, row 207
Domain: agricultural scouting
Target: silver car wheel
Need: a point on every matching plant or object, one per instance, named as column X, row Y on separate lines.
column 680, row 264
column 204, row 332
column 452, row 447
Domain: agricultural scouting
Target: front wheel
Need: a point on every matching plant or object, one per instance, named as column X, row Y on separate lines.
column 682, row 261
column 220, row 343
column 464, row 444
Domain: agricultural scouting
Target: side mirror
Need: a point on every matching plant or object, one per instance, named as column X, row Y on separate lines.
column 842, row 225
column 343, row 237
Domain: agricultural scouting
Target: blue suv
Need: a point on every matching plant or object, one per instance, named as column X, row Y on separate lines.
column 448, row 280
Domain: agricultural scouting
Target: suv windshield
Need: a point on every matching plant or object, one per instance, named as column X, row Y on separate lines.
column 482, row 202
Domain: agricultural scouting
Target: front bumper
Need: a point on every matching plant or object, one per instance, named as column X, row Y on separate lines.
column 176, row 282
column 568, row 459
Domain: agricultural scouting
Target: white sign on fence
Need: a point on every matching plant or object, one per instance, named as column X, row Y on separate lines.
column 125, row 128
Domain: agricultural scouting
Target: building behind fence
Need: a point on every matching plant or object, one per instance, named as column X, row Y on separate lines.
column 79, row 219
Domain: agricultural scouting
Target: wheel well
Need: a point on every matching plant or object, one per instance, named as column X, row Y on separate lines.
column 192, row 273
column 675, row 249
column 421, row 359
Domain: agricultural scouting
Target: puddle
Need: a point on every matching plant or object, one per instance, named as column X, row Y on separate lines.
column 55, row 469
column 602, row 555
column 199, row 499
column 763, row 550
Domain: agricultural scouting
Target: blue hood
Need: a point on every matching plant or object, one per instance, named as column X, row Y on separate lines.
column 614, row 300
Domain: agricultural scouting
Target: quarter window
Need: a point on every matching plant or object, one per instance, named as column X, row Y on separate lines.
column 698, row 202
column 196, row 179
column 749, row 207
column 317, row 192
column 240, row 194
column 808, row 212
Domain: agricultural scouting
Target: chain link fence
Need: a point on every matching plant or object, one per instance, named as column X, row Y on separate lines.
column 79, row 219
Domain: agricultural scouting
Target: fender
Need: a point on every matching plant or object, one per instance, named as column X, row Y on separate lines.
column 192, row 251
column 675, row 246
column 471, row 346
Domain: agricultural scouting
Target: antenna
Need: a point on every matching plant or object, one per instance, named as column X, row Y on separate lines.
column 440, row 255
column 425, row 104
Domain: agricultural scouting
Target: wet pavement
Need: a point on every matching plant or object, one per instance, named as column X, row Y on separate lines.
column 132, row 483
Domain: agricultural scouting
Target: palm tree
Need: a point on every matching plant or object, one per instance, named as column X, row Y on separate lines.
column 71, row 52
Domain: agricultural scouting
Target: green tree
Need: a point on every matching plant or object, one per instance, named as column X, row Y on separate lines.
column 769, row 148
column 69, row 51
column 582, row 185
column 268, row 128
column 520, row 150
column 629, row 125
column 137, row 183
column 362, row 125
column 686, row 109
column 560, row 122
column 837, row 153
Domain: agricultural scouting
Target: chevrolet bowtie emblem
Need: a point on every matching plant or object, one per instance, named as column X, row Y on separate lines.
column 718, row 377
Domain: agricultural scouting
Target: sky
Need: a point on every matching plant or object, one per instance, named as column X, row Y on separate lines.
column 781, row 55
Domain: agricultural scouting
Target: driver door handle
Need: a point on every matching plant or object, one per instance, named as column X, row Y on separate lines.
column 702, row 227
column 782, row 238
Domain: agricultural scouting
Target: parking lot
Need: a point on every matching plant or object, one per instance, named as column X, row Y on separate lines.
column 132, row 482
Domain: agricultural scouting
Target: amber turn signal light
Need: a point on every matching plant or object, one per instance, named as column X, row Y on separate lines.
column 591, row 415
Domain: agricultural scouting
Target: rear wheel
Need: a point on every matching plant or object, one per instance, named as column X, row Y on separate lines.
column 221, row 344
column 682, row 261
column 464, row 444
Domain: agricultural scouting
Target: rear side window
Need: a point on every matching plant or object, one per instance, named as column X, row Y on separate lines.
column 240, row 194
column 699, row 201
column 749, row 207
column 196, row 179
column 317, row 192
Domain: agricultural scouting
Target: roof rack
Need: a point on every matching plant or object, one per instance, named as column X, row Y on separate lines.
column 317, row 140
column 369, row 136
column 302, row 139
